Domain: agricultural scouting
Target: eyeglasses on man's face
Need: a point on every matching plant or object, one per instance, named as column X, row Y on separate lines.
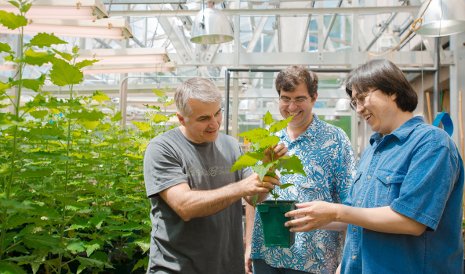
column 287, row 101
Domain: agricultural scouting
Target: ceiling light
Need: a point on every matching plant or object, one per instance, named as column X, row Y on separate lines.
column 62, row 9
column 127, row 60
column 211, row 26
column 441, row 18
column 102, row 28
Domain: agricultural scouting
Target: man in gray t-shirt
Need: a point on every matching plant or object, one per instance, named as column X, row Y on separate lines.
column 195, row 199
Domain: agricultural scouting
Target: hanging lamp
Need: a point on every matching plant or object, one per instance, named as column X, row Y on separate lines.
column 211, row 26
column 441, row 18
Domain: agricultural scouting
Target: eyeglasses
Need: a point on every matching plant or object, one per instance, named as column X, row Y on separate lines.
column 287, row 101
column 358, row 100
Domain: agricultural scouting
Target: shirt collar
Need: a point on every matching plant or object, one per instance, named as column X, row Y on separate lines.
column 310, row 132
column 402, row 132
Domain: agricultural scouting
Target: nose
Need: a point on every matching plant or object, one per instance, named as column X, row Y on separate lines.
column 292, row 105
column 359, row 108
column 215, row 122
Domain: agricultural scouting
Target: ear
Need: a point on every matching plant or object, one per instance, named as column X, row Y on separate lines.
column 315, row 96
column 181, row 119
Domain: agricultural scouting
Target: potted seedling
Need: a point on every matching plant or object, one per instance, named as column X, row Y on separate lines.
column 271, row 212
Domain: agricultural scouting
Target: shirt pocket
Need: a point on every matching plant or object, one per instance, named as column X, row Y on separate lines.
column 387, row 187
column 355, row 190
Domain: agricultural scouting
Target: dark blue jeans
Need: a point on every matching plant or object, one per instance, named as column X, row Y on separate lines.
column 261, row 267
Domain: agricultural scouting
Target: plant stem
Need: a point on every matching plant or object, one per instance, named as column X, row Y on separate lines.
column 16, row 107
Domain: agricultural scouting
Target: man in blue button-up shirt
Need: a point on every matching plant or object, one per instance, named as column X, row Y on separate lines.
column 405, row 207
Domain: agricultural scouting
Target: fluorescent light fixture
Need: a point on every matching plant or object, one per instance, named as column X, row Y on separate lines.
column 441, row 18
column 127, row 60
column 62, row 9
column 102, row 28
column 129, row 68
column 7, row 67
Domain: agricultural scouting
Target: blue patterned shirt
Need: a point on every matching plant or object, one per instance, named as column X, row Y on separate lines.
column 328, row 160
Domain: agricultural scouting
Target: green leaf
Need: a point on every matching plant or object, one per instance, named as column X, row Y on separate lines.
column 262, row 170
column 76, row 247
column 25, row 7
column 268, row 118
column 33, row 84
column 291, row 165
column 63, row 73
column 90, row 248
column 245, row 160
column 142, row 126
column 86, row 115
column 39, row 114
column 91, row 262
column 145, row 246
column 158, row 92
column 37, row 58
column 86, row 63
column 284, row 186
column 100, row 97
column 280, row 124
column 141, row 263
column 158, row 118
column 68, row 57
column 255, row 134
column 90, row 125
column 117, row 117
column 41, row 241
column 9, row 268
column 15, row 3
column 4, row 86
column 11, row 20
column 269, row 141
column 4, row 47
column 43, row 39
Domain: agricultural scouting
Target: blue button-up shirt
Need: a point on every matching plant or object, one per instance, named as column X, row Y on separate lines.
column 328, row 161
column 418, row 172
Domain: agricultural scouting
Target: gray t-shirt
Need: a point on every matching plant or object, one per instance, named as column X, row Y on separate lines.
column 206, row 245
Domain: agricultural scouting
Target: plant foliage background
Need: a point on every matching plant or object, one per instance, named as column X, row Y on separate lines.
column 72, row 197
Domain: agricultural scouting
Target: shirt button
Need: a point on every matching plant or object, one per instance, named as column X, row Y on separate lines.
column 369, row 177
column 354, row 257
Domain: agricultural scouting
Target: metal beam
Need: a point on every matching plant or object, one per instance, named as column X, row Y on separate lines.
column 274, row 11
column 343, row 59
column 146, row 2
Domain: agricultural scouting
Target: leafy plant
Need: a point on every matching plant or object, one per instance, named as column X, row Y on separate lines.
column 262, row 142
column 72, row 197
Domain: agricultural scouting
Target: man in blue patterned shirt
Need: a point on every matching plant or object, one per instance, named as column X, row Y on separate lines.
column 328, row 160
column 405, row 207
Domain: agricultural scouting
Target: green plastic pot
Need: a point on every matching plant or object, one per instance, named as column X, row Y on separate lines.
column 273, row 219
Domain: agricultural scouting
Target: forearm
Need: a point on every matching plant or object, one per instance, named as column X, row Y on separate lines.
column 189, row 204
column 336, row 226
column 380, row 219
column 249, row 223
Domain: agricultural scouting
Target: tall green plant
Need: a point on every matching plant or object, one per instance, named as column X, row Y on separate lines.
column 72, row 195
column 263, row 140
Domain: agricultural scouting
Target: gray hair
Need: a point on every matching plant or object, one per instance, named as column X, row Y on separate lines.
column 198, row 88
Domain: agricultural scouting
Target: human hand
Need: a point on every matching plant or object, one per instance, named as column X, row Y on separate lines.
column 274, row 153
column 253, row 185
column 311, row 215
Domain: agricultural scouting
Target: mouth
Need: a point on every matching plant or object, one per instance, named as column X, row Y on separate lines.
column 367, row 117
column 294, row 113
